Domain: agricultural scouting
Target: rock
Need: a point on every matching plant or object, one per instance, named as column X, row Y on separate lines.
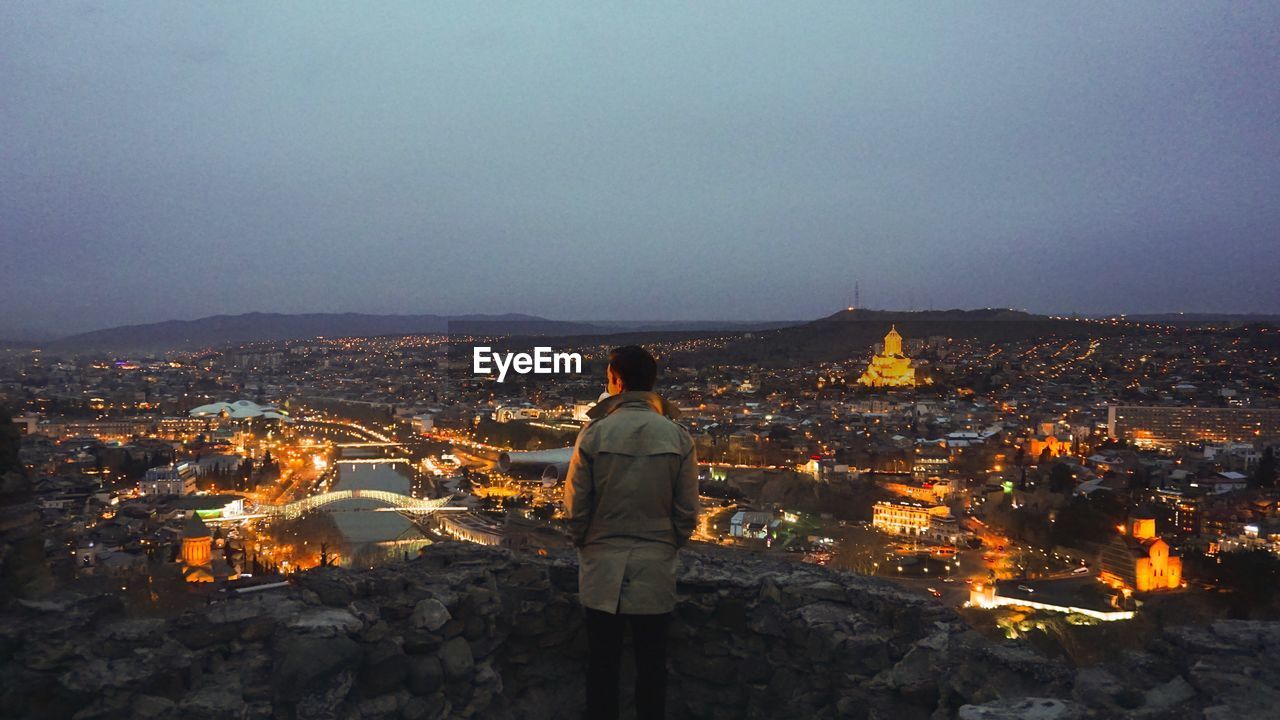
column 383, row 706
column 1250, row 635
column 323, row 702
column 474, row 627
column 145, row 669
column 332, row 586
column 365, row 610
column 326, row 622
column 756, row 669
column 426, row 675
column 1096, row 687
column 428, row 708
column 1169, row 695
column 384, row 668
column 147, row 707
column 453, row 628
column 826, row 613
column 215, row 701
column 456, row 658
column 474, row 632
column 376, row 632
column 418, row 641
column 305, row 665
column 50, row 655
column 718, row 670
column 822, row 590
column 1024, row 709
column 430, row 614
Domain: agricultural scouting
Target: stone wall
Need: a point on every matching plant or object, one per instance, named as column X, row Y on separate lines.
column 475, row 632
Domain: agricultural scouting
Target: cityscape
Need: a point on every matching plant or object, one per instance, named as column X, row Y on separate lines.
column 1119, row 472
column 747, row 361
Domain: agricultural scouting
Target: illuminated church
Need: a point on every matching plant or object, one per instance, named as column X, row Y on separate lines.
column 197, row 562
column 1139, row 560
column 890, row 368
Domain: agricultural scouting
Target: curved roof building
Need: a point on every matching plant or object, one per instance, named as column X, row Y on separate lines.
column 240, row 410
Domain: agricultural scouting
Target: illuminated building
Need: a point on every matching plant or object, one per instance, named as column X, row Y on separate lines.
column 924, row 491
column 27, row 424
column 1139, row 560
column 424, row 423
column 197, row 551
column 1182, row 509
column 1037, row 446
column 908, row 518
column 824, row 469
column 180, row 427
column 930, row 462
column 111, row 428
column 890, row 368
column 1149, row 426
column 241, row 410
column 179, row 479
column 758, row 525
column 471, row 528
column 508, row 413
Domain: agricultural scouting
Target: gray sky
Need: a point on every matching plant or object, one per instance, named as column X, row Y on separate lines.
column 691, row 160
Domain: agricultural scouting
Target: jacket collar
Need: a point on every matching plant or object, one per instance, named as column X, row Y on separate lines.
column 632, row 399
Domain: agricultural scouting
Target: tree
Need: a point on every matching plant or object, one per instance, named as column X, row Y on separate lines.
column 1254, row 574
column 1264, row 475
column 269, row 472
column 229, row 552
column 1061, row 479
column 10, row 441
column 244, row 475
column 1139, row 479
column 1088, row 519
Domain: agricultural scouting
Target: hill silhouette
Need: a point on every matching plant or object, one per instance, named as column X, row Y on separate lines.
column 850, row 332
column 218, row 330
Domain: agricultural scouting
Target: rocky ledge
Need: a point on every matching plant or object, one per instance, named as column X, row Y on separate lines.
column 474, row 632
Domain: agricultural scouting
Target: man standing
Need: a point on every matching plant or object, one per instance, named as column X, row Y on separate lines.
column 631, row 499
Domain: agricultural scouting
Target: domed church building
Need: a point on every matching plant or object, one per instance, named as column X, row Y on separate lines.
column 890, row 368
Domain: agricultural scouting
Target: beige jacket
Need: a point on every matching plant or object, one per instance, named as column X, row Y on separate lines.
column 631, row 499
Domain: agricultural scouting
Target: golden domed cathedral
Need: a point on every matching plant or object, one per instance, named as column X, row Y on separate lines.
column 890, row 368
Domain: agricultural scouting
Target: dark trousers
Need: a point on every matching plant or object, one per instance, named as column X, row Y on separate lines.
column 604, row 638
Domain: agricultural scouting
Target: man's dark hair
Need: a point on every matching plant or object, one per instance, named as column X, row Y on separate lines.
column 634, row 366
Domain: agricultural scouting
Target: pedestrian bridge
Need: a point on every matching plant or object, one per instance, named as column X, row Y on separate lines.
column 393, row 500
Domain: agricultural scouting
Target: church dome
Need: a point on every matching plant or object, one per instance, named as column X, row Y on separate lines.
column 195, row 528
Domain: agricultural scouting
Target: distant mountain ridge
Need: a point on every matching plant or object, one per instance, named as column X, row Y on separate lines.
column 849, row 333
column 829, row 337
column 1205, row 318
column 219, row 330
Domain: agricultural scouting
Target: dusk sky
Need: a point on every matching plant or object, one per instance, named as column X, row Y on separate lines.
column 635, row 161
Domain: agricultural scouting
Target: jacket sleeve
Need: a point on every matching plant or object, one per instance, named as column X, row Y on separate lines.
column 578, row 489
column 684, row 504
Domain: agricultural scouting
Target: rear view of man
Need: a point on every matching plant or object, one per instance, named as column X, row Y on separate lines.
column 631, row 499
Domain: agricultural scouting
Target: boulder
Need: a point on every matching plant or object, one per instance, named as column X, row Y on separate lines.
column 305, row 665
column 456, row 658
column 430, row 614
